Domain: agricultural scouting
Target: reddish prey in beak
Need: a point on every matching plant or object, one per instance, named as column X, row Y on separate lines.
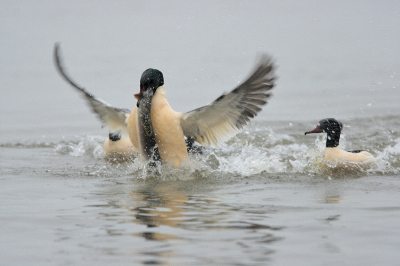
column 139, row 95
column 315, row 130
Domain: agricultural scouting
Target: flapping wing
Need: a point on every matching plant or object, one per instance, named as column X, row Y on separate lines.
column 111, row 117
column 227, row 115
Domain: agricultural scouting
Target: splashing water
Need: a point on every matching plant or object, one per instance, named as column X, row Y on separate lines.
column 260, row 148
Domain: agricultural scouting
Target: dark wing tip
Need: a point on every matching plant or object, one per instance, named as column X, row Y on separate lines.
column 261, row 79
column 264, row 71
column 256, row 89
column 56, row 45
column 60, row 68
column 56, row 56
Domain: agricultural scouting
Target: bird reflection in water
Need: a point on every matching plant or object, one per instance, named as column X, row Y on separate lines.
column 161, row 207
column 176, row 213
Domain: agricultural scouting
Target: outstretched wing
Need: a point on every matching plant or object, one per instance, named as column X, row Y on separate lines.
column 228, row 114
column 111, row 117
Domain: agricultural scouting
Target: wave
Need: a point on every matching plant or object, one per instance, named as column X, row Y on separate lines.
column 28, row 145
column 89, row 146
column 247, row 156
column 256, row 150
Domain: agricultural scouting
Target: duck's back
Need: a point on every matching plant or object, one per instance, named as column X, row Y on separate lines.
column 120, row 148
column 338, row 154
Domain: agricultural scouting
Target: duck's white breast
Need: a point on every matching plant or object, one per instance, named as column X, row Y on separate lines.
column 131, row 123
column 167, row 129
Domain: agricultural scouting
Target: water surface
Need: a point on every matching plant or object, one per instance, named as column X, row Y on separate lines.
column 264, row 198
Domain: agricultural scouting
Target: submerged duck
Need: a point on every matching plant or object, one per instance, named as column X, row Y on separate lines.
column 332, row 151
column 159, row 133
column 117, row 146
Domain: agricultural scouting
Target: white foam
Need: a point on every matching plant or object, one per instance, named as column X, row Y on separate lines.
column 395, row 150
column 249, row 153
column 92, row 145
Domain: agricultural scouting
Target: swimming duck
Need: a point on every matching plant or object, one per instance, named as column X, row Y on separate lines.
column 332, row 151
column 161, row 134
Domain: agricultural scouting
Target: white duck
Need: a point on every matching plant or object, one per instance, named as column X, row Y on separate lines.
column 332, row 150
column 160, row 133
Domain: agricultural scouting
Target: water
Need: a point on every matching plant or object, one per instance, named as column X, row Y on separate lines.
column 264, row 198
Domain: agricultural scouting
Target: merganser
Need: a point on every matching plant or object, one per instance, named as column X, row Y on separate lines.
column 161, row 134
column 116, row 146
column 332, row 150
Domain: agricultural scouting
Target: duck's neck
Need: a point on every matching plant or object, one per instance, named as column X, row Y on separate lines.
column 332, row 140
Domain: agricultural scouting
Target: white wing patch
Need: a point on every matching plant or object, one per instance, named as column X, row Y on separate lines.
column 228, row 114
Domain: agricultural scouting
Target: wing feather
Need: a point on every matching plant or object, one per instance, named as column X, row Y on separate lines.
column 111, row 117
column 229, row 113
